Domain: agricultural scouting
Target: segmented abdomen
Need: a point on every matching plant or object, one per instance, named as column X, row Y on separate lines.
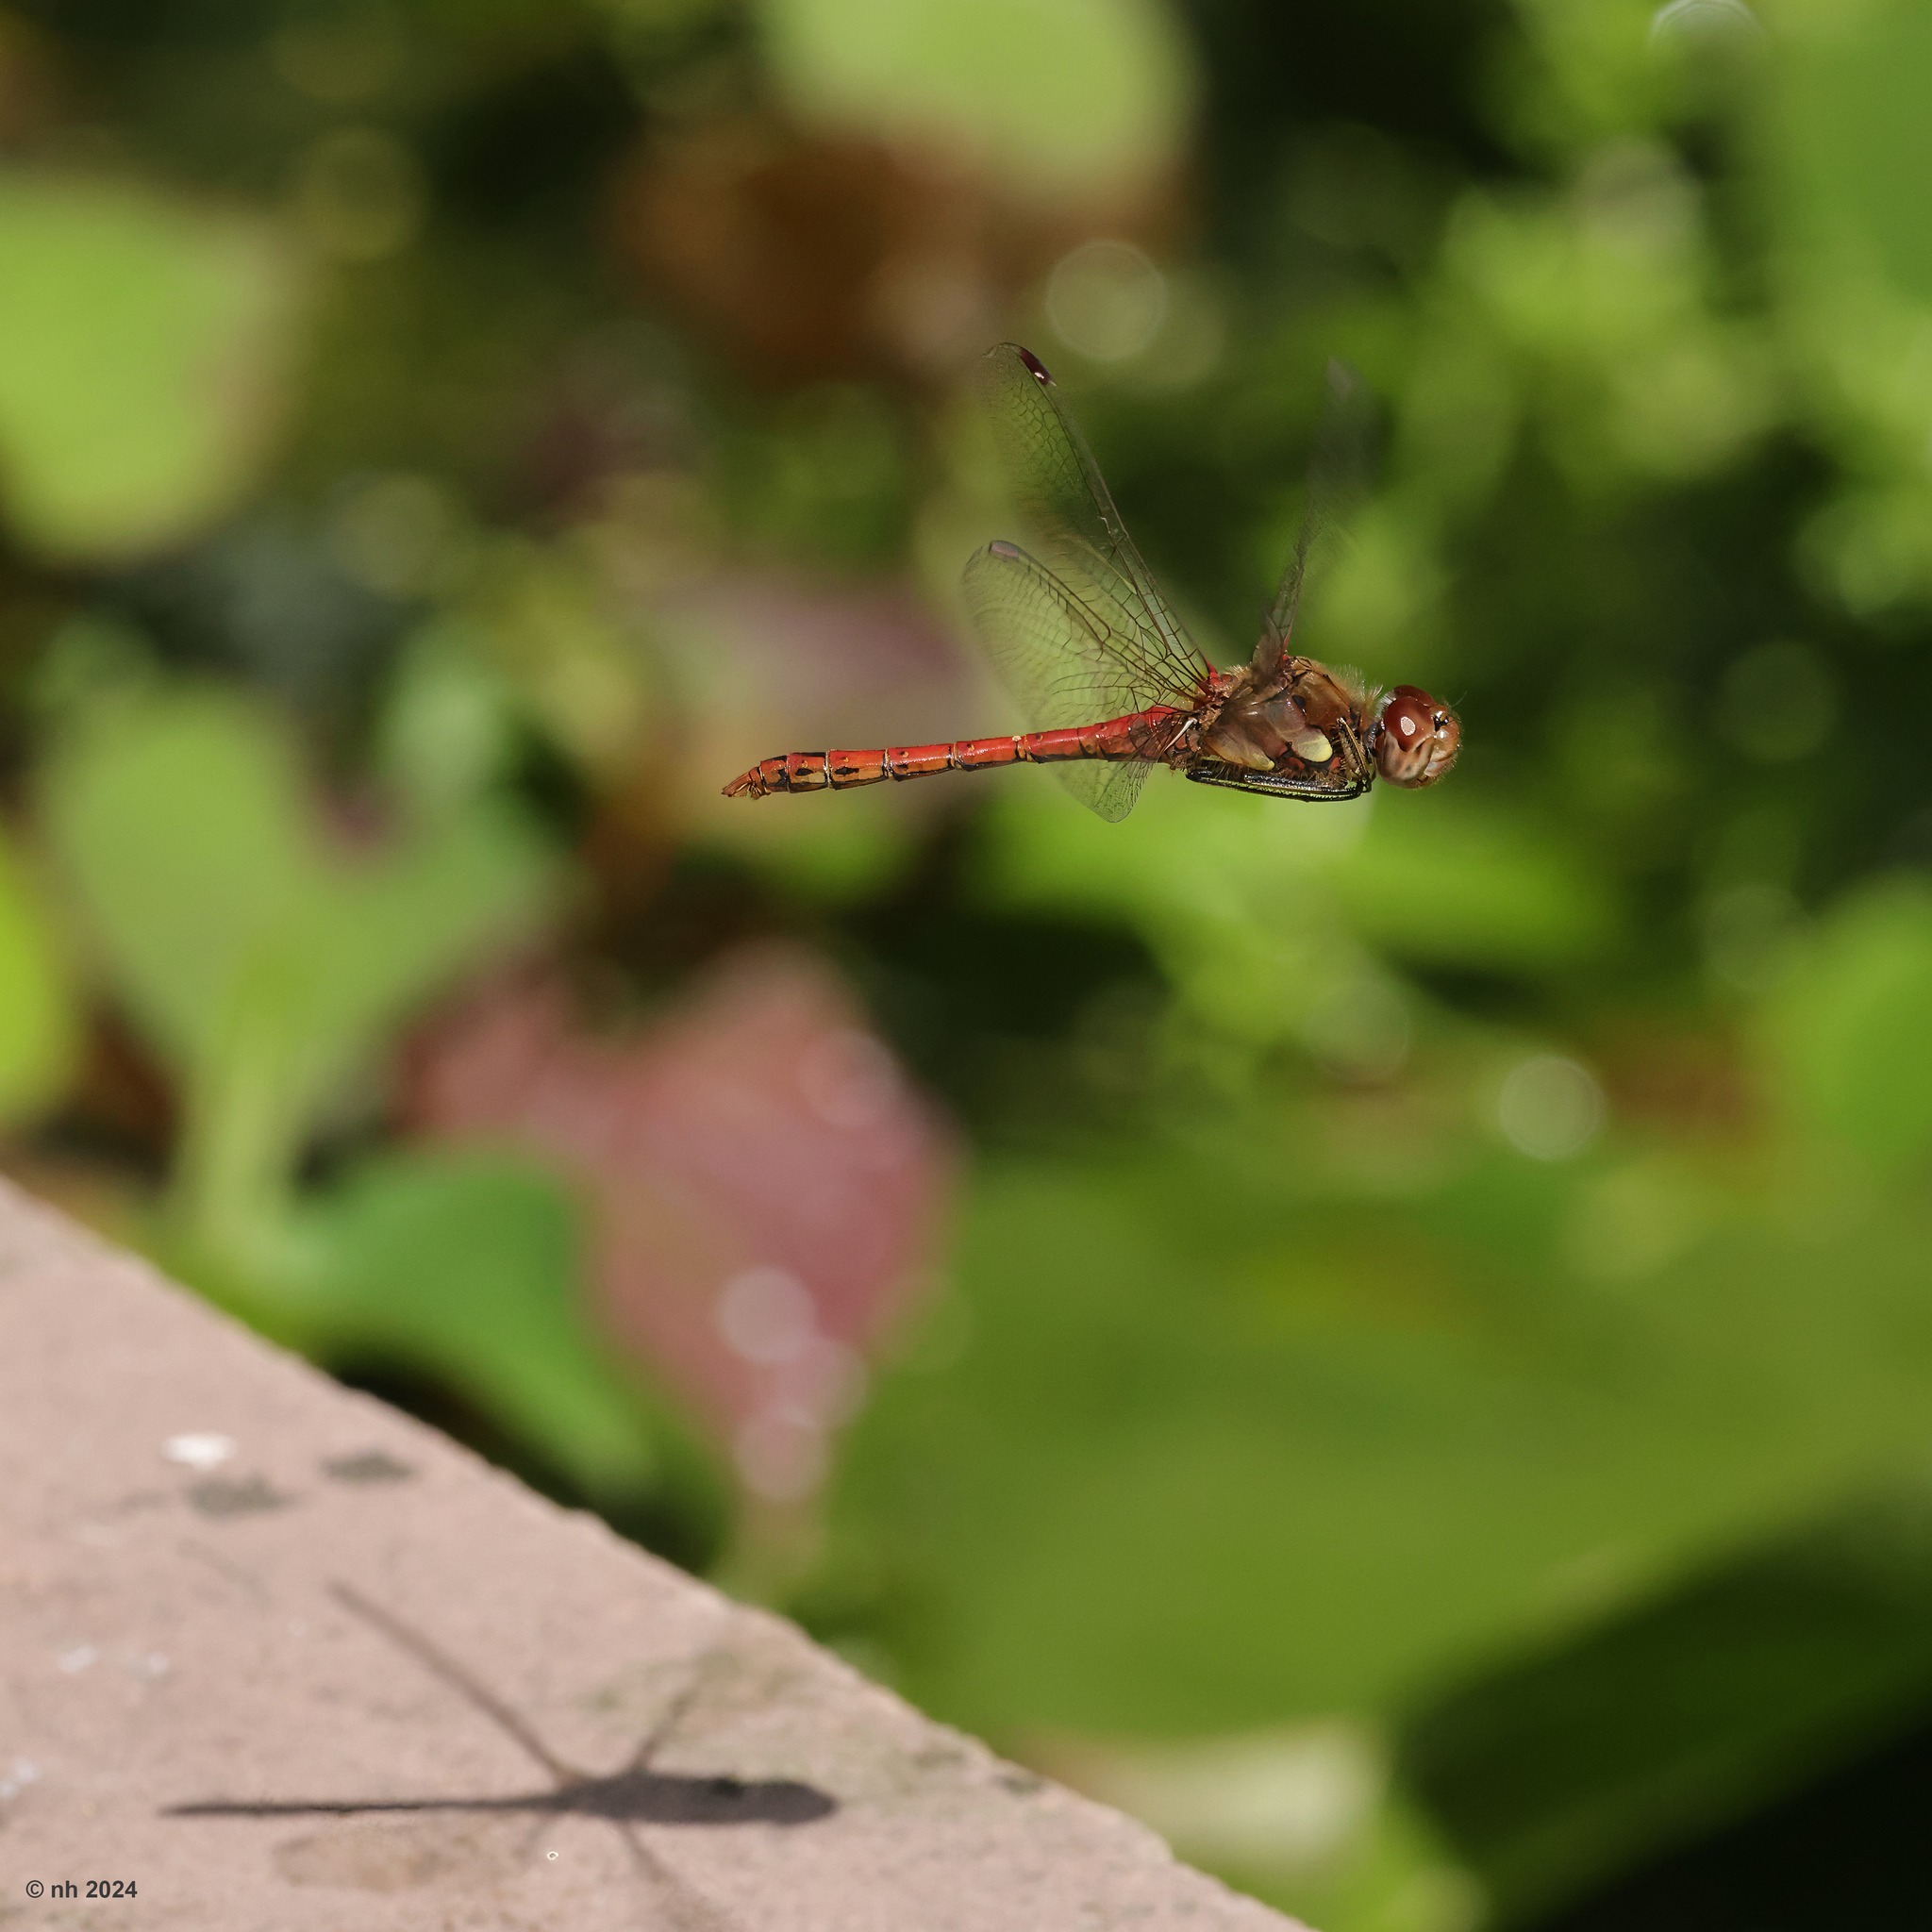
column 1137, row 735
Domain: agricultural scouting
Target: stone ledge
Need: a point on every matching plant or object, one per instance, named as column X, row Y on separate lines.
column 351, row 1674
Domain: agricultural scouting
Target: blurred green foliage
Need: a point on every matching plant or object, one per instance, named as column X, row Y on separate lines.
column 265, row 967
column 39, row 1026
column 1852, row 1026
column 142, row 346
column 951, row 68
column 463, row 1269
column 1424, row 1399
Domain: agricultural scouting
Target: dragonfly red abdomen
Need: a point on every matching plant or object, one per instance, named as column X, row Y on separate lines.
column 1134, row 736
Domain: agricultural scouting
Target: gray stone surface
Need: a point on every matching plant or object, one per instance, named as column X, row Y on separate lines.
column 348, row 1675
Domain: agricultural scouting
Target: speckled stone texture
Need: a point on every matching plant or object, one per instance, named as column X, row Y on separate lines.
column 335, row 1672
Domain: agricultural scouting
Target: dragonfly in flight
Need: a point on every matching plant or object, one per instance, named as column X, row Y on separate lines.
column 1105, row 674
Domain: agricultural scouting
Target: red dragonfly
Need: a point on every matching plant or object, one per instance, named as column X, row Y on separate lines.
column 1106, row 673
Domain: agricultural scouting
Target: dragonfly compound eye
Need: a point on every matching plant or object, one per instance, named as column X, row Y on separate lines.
column 1418, row 738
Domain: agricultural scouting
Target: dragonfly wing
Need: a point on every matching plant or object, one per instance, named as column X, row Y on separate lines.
column 1338, row 481
column 1065, row 663
column 1110, row 789
column 1072, row 520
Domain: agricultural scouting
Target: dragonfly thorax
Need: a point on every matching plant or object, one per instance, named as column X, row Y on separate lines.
column 1280, row 708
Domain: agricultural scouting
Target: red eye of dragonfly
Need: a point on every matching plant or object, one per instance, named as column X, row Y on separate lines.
column 1418, row 738
column 1110, row 680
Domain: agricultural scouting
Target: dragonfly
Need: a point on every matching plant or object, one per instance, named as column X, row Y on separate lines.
column 1103, row 669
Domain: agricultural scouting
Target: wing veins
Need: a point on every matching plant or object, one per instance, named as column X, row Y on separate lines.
column 1072, row 514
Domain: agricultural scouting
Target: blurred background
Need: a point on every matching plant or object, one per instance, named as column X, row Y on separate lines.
column 1395, row 1341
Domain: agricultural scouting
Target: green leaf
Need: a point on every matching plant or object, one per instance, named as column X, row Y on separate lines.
column 1851, row 140
column 143, row 346
column 469, row 1269
column 1255, row 905
column 1061, row 93
column 39, row 1028
column 1562, row 1765
column 264, row 957
column 1224, row 1452
column 1850, row 1031
column 1444, row 882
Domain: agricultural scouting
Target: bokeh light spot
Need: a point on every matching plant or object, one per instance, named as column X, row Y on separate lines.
column 1107, row 300
column 767, row 1315
column 1779, row 702
column 780, row 1454
column 1550, row 1108
column 1695, row 22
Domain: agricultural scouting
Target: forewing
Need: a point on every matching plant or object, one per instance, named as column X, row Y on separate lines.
column 1064, row 664
column 1338, row 474
column 1071, row 522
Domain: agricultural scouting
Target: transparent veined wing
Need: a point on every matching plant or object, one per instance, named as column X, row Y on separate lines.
column 1064, row 664
column 1073, row 524
column 1338, row 473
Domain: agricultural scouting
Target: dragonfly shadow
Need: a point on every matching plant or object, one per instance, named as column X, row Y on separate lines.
column 635, row 1795
column 627, row 1797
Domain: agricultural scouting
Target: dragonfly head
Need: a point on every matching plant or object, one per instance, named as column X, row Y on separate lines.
column 1416, row 738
